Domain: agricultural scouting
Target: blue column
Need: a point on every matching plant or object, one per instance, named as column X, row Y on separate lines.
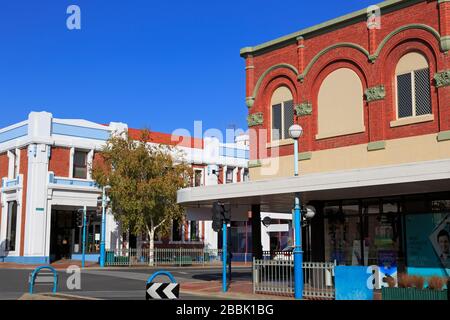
column 298, row 252
column 224, row 257
column 102, row 240
column 83, row 254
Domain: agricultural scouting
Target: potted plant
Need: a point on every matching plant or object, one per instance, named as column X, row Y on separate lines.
column 411, row 287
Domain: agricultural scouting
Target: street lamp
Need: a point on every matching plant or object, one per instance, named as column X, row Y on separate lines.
column 295, row 132
column 102, row 241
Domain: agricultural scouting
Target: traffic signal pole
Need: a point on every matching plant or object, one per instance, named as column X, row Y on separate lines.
column 83, row 254
column 224, row 256
column 102, row 241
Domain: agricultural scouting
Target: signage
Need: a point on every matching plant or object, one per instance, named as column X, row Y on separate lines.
column 161, row 291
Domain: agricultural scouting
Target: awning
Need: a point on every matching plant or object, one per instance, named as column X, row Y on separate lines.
column 277, row 195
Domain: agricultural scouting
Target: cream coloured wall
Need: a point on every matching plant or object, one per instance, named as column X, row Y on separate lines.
column 340, row 104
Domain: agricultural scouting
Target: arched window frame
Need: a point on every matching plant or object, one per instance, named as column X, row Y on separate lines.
column 284, row 124
column 413, row 73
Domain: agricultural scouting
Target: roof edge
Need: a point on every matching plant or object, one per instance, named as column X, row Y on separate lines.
column 322, row 26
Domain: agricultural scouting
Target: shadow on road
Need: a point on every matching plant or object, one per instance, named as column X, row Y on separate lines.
column 243, row 276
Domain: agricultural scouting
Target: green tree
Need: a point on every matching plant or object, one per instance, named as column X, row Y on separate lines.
column 144, row 179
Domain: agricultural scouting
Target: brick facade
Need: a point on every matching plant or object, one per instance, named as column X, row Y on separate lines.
column 59, row 162
column 372, row 54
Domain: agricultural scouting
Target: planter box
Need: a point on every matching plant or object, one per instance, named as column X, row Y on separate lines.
column 412, row 294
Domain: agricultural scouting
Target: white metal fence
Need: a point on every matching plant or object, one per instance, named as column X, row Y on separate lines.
column 167, row 257
column 277, row 277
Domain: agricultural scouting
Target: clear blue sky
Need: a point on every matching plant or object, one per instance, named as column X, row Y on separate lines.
column 155, row 64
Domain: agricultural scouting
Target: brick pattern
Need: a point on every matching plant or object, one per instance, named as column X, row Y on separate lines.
column 377, row 114
column 168, row 139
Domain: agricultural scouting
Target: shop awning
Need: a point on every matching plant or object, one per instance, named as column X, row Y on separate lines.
column 276, row 195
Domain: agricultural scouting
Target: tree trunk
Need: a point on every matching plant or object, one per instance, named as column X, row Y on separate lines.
column 151, row 234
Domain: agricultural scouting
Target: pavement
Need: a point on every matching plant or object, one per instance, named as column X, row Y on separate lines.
column 196, row 283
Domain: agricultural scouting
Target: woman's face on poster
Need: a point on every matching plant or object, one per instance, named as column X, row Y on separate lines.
column 444, row 243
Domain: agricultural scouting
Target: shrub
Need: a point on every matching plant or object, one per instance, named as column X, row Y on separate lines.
column 390, row 281
column 404, row 280
column 436, row 283
column 418, row 281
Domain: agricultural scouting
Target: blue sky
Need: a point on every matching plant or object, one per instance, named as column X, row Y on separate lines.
column 155, row 64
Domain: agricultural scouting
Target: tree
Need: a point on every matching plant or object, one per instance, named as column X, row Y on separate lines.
column 144, row 180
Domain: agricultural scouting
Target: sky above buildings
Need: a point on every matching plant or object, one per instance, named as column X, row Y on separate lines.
column 155, row 64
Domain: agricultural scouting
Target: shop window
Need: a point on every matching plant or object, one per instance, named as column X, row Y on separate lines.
column 11, row 226
column 230, row 175
column 413, row 86
column 198, row 178
column 194, row 231
column 176, row 231
column 340, row 104
column 80, row 164
column 246, row 175
column 282, row 106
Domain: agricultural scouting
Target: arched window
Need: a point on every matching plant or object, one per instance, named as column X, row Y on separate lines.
column 413, row 96
column 282, row 109
column 340, row 104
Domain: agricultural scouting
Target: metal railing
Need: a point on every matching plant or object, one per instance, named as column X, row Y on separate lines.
column 163, row 257
column 276, row 276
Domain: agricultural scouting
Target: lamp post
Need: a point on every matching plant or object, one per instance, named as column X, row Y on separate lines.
column 102, row 240
column 295, row 132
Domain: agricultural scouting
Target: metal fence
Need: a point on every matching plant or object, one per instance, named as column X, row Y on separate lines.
column 277, row 277
column 166, row 257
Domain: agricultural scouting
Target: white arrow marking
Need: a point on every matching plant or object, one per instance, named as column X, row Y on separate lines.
column 152, row 290
column 168, row 291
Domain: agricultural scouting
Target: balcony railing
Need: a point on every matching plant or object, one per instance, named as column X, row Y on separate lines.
column 62, row 181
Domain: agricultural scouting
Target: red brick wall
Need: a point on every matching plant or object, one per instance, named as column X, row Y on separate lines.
column 23, row 170
column 377, row 114
column 59, row 162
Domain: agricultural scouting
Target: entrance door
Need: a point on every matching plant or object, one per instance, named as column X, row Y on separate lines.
column 61, row 236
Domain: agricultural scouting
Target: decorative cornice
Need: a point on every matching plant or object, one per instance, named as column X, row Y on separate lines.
column 250, row 101
column 255, row 119
column 442, row 79
column 375, row 93
column 303, row 109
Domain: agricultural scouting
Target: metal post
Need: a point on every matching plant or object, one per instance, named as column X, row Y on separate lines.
column 83, row 254
column 224, row 257
column 102, row 240
column 298, row 253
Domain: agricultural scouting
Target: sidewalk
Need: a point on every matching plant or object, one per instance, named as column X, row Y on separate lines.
column 60, row 265
column 237, row 290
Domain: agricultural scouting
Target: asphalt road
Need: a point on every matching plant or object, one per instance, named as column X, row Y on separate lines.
column 112, row 284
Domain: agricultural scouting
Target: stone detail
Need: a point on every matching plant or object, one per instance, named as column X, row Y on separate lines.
column 303, row 109
column 375, row 93
column 442, row 79
column 250, row 102
column 255, row 119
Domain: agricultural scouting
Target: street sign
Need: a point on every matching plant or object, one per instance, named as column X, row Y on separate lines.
column 161, row 291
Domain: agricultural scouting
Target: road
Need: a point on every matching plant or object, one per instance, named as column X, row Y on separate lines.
column 112, row 284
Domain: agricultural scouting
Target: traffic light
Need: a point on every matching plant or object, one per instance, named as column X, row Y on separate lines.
column 80, row 214
column 220, row 214
column 217, row 212
column 99, row 209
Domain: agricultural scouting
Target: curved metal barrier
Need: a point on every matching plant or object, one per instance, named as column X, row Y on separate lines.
column 46, row 278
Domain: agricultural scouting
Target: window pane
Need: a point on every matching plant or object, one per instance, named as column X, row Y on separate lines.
column 422, row 91
column 80, row 158
column 288, row 117
column 11, row 226
column 276, row 122
column 80, row 172
column 404, row 91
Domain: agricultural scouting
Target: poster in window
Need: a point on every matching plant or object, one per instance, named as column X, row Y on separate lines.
column 440, row 239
